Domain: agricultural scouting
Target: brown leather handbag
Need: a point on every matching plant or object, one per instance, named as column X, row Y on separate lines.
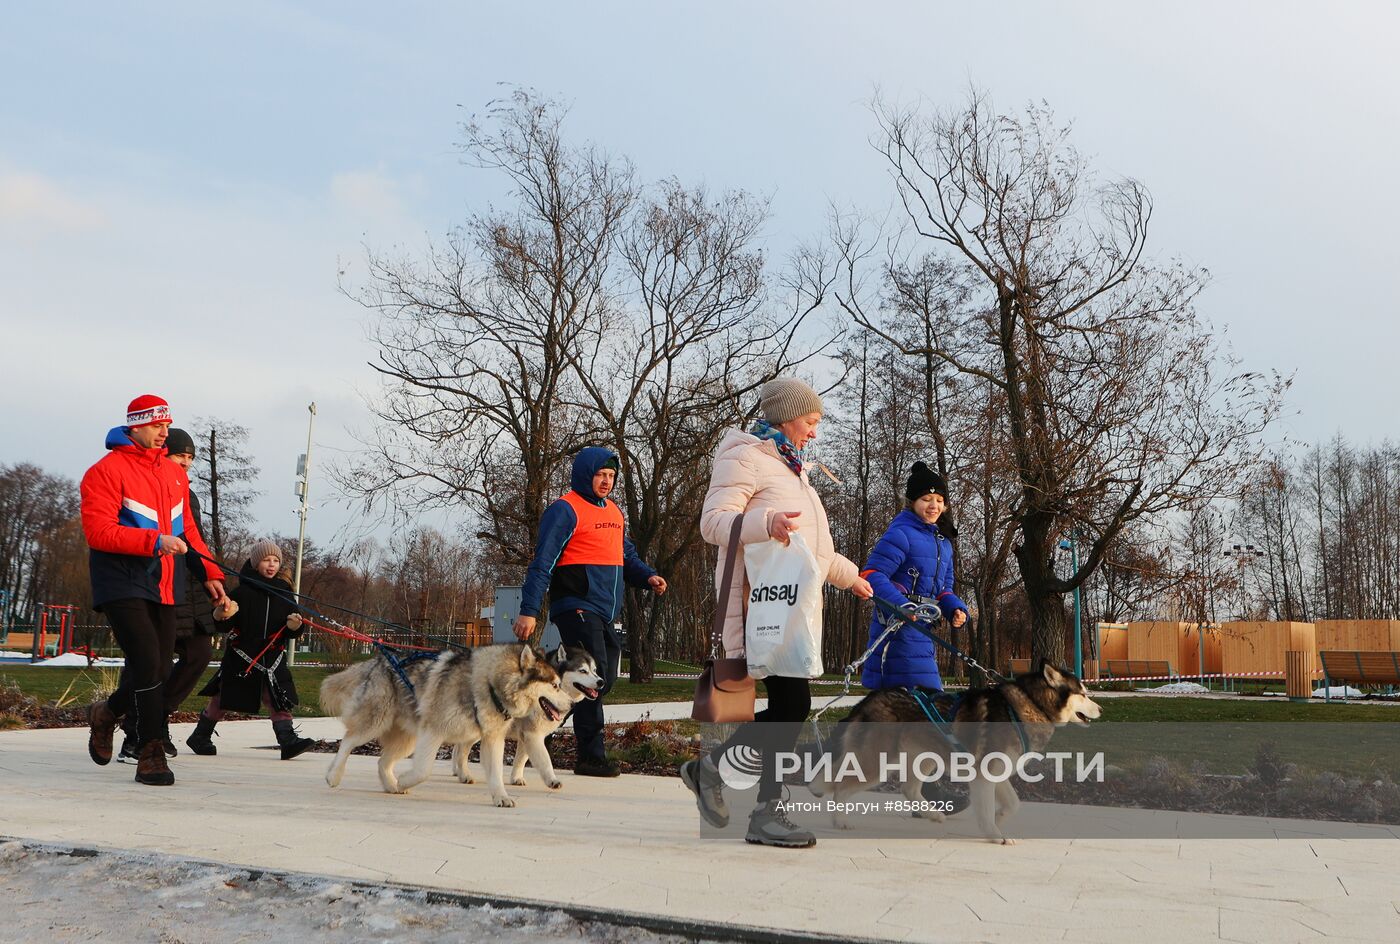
column 725, row 692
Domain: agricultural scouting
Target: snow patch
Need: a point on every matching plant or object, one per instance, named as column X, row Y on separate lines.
column 203, row 901
column 76, row 660
column 1178, row 688
column 1337, row 691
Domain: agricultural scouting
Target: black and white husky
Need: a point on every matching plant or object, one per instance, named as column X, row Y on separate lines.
column 581, row 680
column 456, row 697
column 1013, row 718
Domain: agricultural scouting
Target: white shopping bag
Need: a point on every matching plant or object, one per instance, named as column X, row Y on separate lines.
column 783, row 627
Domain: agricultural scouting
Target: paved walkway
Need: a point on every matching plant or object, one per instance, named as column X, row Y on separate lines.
column 633, row 844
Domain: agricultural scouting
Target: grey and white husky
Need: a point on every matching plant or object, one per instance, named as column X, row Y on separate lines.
column 581, row 680
column 1012, row 718
column 455, row 697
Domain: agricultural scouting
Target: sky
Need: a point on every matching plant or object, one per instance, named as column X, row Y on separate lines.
column 184, row 187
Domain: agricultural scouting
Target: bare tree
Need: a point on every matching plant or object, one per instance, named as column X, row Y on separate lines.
column 678, row 358
column 223, row 474
column 1269, row 514
column 38, row 514
column 593, row 310
column 476, row 342
column 1118, row 407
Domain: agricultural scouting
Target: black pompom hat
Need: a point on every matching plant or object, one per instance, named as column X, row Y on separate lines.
column 924, row 481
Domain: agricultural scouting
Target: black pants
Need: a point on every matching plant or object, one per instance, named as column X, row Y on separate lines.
column 146, row 633
column 592, row 632
column 773, row 730
column 195, row 651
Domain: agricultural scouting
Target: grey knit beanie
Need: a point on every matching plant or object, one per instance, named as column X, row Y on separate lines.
column 786, row 398
column 263, row 549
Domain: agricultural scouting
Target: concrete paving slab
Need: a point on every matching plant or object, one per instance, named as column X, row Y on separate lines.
column 633, row 844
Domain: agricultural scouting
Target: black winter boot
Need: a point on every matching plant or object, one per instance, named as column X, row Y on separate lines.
column 199, row 741
column 291, row 743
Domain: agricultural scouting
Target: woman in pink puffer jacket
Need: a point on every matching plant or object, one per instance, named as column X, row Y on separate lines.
column 760, row 477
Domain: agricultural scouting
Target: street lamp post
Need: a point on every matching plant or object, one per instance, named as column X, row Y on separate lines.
column 1243, row 554
column 1068, row 544
column 303, row 491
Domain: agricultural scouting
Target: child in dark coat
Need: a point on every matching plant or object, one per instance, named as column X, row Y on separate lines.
column 912, row 563
column 254, row 673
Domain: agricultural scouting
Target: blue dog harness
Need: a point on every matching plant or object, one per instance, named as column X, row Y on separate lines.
column 929, row 707
column 397, row 663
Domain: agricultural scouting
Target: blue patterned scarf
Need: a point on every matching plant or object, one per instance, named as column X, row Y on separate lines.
column 790, row 453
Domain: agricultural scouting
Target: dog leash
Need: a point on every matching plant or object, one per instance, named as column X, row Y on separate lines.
column 300, row 601
column 904, row 616
column 891, row 628
column 899, row 616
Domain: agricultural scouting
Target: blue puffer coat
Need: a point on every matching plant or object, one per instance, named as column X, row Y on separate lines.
column 910, row 557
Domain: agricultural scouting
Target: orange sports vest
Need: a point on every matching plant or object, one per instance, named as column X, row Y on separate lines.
column 597, row 538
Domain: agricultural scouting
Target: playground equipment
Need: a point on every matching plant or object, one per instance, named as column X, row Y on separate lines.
column 59, row 619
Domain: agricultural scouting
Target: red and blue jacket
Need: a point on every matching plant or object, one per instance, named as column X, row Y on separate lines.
column 130, row 498
column 583, row 554
column 913, row 558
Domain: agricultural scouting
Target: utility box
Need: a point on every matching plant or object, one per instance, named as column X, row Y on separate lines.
column 503, row 614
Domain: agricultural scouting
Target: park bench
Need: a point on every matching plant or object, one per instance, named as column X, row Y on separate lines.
column 1359, row 666
column 1133, row 668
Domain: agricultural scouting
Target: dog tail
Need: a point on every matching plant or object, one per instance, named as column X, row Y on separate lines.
column 336, row 689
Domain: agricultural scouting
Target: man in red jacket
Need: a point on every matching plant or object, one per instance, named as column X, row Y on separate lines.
column 141, row 538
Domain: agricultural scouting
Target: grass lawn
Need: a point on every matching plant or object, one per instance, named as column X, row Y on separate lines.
column 1218, row 736
column 77, row 686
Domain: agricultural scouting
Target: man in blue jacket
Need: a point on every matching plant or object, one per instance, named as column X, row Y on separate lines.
column 583, row 557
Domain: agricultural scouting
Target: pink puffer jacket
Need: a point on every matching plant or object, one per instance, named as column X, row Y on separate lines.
column 751, row 479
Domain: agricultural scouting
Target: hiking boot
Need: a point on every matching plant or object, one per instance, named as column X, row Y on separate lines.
column 151, row 768
column 127, row 755
column 769, row 826
column 199, row 741
column 593, row 767
column 703, row 779
column 102, row 724
column 951, row 799
column 292, row 744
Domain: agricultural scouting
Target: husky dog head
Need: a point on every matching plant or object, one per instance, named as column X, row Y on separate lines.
column 578, row 670
column 1060, row 694
column 540, row 686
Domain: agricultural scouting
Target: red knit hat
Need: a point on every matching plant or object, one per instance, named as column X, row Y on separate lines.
column 146, row 410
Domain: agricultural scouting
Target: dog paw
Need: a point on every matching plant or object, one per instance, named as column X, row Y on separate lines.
column 933, row 816
column 465, row 778
column 1001, row 840
column 332, row 781
column 554, row 784
column 842, row 822
column 504, row 801
column 517, row 781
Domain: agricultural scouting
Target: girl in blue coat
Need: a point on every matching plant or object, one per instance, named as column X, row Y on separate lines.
column 912, row 563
